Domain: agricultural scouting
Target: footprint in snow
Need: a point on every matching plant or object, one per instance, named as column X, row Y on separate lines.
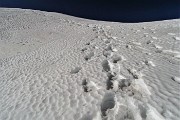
column 111, row 47
column 158, row 48
column 89, row 85
column 75, row 70
column 149, row 41
column 149, row 63
column 85, row 87
column 128, row 46
column 106, row 66
column 110, row 80
column 134, row 73
column 108, row 103
column 88, row 43
column 107, row 53
column 84, row 49
column 89, row 56
column 116, row 58
column 107, row 41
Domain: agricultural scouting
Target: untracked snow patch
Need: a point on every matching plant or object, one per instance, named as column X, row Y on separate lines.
column 141, row 87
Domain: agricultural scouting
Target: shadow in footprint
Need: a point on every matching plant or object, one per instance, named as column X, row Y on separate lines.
column 88, row 43
column 143, row 111
column 84, row 49
column 105, row 65
column 89, row 56
column 116, row 58
column 135, row 76
column 87, row 117
column 108, row 102
column 124, row 83
column 85, row 87
column 107, row 53
column 109, row 82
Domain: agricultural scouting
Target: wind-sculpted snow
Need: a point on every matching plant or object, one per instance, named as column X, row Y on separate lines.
column 57, row 67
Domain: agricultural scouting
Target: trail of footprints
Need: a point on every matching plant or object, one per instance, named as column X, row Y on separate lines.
column 121, row 92
column 126, row 96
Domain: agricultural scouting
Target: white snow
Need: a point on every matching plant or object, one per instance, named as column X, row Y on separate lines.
column 171, row 34
column 177, row 79
column 59, row 67
column 155, row 38
column 177, row 38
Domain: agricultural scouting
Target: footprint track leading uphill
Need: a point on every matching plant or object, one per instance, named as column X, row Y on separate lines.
column 133, row 87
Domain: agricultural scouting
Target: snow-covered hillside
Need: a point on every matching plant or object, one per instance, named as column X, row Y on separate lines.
column 58, row 67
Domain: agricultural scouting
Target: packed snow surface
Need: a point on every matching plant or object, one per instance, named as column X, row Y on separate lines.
column 58, row 67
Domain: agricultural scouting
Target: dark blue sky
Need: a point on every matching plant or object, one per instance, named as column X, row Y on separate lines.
column 107, row 10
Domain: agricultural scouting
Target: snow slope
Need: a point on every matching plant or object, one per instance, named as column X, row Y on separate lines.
column 58, row 67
